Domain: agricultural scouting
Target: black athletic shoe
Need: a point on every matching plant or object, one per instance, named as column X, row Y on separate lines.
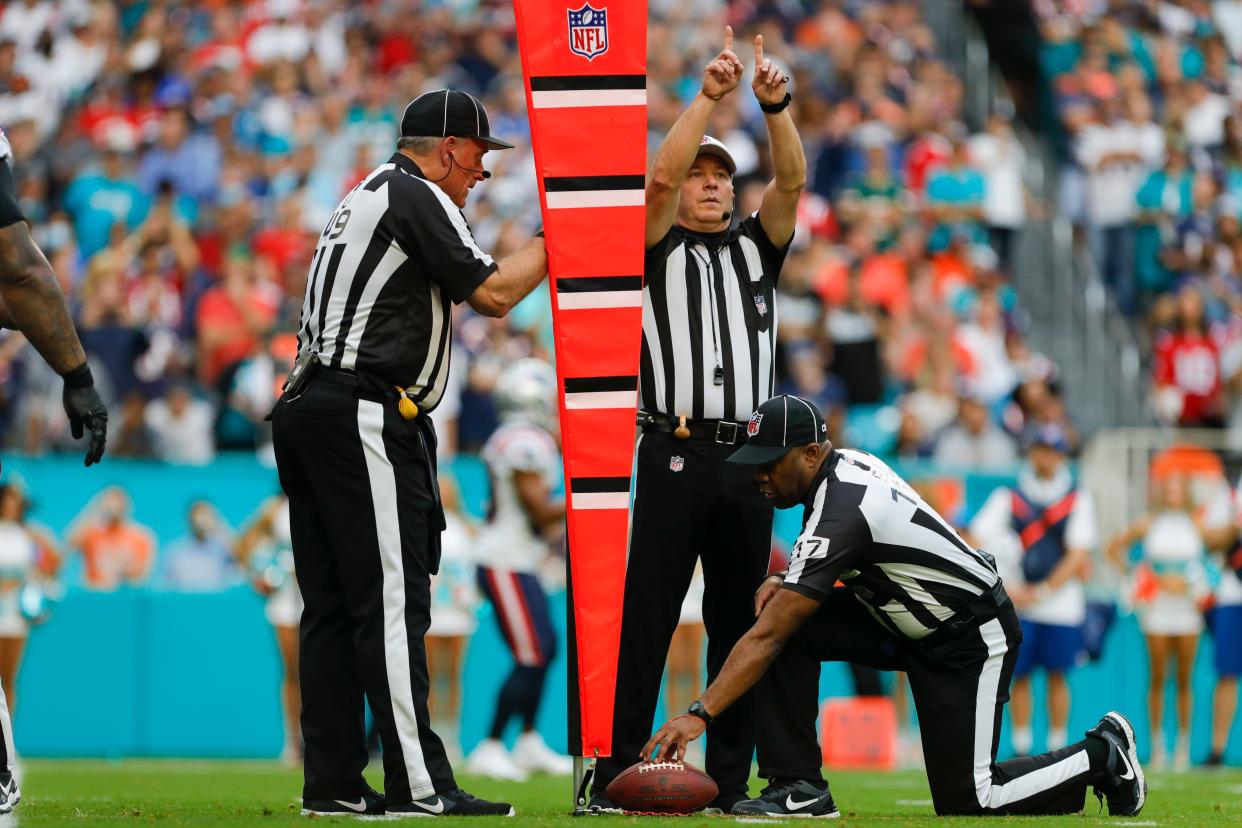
column 371, row 803
column 790, row 798
column 1122, row 781
column 451, row 803
column 601, row 804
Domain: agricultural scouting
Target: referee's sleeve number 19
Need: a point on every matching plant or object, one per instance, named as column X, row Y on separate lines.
column 336, row 225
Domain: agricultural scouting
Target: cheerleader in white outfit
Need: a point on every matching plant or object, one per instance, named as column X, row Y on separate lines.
column 22, row 551
column 1169, row 586
column 27, row 555
column 266, row 550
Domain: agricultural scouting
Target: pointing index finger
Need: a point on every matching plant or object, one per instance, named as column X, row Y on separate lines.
column 758, row 49
column 728, row 38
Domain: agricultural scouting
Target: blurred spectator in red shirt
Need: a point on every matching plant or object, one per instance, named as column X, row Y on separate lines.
column 286, row 242
column 1187, row 367
column 232, row 317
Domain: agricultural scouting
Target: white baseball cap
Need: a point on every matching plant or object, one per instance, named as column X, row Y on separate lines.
column 710, row 146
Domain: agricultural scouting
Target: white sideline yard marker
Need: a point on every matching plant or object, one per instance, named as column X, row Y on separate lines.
column 1135, row 824
column 920, row 802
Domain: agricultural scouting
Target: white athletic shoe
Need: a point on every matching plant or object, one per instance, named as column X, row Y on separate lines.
column 532, row 754
column 9, row 796
column 490, row 759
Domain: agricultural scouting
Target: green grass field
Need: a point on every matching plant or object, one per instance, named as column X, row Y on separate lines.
column 172, row 793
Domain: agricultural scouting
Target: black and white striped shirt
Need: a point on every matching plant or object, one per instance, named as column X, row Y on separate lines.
column 709, row 302
column 394, row 254
column 865, row 526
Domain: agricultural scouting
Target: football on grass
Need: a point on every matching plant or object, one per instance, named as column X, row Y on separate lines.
column 662, row 788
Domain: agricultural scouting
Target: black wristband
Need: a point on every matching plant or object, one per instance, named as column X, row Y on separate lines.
column 79, row 377
column 699, row 711
column 772, row 109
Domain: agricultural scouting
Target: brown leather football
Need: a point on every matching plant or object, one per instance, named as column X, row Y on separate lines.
column 662, row 788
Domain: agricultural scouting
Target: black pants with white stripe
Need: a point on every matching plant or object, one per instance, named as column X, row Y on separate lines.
column 365, row 531
column 960, row 688
column 705, row 509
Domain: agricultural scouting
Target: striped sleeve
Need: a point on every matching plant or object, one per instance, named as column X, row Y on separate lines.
column 831, row 542
column 426, row 220
column 773, row 257
column 658, row 252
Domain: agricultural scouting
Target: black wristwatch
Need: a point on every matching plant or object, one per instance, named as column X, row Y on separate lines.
column 697, row 709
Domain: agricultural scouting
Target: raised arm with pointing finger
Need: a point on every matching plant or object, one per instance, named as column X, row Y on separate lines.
column 779, row 209
column 720, row 77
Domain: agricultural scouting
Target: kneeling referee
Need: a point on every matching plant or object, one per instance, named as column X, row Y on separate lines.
column 916, row 598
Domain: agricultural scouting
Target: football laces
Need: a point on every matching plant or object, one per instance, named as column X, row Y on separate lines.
column 661, row 766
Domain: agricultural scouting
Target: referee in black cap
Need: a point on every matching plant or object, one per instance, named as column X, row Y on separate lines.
column 915, row 597
column 356, row 450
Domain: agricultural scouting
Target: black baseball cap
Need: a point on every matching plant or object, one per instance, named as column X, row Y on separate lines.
column 449, row 112
column 780, row 424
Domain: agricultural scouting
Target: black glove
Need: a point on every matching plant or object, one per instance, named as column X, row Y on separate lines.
column 84, row 407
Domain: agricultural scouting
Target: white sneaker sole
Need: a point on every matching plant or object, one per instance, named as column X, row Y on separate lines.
column 1132, row 754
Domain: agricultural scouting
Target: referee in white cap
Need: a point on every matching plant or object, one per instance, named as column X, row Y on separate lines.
column 355, row 447
column 709, row 334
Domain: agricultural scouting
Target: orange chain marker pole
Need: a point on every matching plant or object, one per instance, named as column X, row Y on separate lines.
column 584, row 63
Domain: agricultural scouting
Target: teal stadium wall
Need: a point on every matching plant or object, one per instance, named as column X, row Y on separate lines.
column 141, row 672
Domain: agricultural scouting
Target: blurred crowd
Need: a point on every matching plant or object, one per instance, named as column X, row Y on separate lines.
column 1148, row 96
column 178, row 161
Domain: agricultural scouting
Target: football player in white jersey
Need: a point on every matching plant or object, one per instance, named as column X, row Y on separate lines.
column 524, row 465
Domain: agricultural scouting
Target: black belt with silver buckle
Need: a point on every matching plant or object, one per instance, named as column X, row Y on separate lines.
column 724, row 432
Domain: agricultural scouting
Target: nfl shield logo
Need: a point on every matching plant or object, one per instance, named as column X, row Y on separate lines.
column 761, row 305
column 677, row 463
column 588, row 31
column 752, row 428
